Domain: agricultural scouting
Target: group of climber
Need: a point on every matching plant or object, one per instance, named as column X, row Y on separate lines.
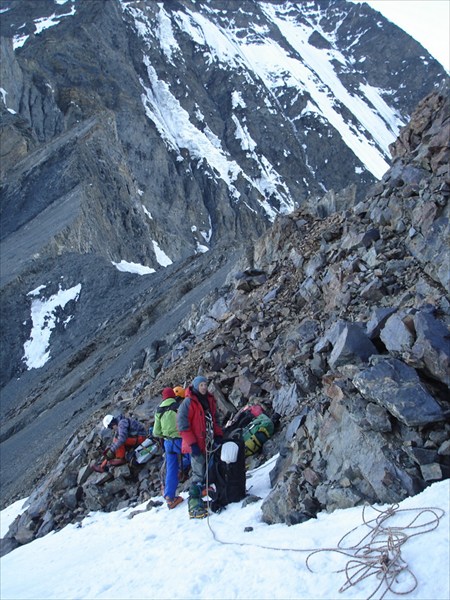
column 186, row 421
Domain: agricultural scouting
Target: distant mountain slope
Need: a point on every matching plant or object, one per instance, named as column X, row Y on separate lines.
column 224, row 114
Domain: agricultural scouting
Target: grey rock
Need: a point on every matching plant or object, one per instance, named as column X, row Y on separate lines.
column 337, row 497
column 378, row 418
column 377, row 321
column 396, row 335
column 431, row 472
column 444, row 448
column 294, row 425
column 24, row 534
column 286, row 400
column 433, row 346
column 71, row 497
column 7, row 545
column 422, row 456
column 401, row 392
column 352, row 346
column 372, row 291
column 206, row 324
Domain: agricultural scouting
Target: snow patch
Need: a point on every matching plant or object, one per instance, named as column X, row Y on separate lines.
column 44, row 320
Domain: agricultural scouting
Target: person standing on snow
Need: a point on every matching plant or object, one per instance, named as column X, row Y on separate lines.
column 128, row 433
column 166, row 427
column 199, row 429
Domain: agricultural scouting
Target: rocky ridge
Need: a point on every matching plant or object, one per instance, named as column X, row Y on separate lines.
column 339, row 323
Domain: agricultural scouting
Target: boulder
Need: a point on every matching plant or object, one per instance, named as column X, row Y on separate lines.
column 397, row 387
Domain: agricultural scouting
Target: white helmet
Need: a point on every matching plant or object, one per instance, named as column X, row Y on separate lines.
column 108, row 420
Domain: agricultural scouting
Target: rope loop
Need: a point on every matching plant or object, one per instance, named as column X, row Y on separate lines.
column 377, row 553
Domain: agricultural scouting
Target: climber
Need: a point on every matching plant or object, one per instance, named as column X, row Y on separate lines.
column 128, row 433
column 176, row 462
column 200, row 433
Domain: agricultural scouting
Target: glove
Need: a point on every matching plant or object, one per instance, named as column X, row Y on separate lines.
column 109, row 454
column 195, row 450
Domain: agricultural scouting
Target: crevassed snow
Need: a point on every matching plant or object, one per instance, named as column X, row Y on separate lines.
column 175, row 127
column 44, row 319
column 391, row 118
column 365, row 122
column 316, row 74
column 221, row 47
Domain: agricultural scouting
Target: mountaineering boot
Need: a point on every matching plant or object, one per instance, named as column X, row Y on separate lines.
column 173, row 502
column 101, row 468
column 196, row 507
column 98, row 468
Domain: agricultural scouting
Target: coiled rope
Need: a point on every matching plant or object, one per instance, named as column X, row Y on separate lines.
column 377, row 554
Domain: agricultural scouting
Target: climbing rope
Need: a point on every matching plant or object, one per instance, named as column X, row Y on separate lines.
column 377, row 554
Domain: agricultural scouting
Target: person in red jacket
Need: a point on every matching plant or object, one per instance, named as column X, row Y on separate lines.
column 200, row 433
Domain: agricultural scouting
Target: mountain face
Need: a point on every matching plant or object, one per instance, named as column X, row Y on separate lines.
column 144, row 147
column 341, row 328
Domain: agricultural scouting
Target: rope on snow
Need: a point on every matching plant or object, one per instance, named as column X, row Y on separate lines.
column 377, row 554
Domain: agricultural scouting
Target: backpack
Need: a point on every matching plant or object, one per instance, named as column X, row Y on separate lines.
column 149, row 448
column 163, row 409
column 257, row 432
column 243, row 418
column 145, row 451
column 228, row 478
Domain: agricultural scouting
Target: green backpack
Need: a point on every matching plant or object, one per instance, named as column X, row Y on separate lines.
column 257, row 433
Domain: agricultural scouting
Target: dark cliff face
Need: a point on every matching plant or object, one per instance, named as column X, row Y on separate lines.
column 148, row 132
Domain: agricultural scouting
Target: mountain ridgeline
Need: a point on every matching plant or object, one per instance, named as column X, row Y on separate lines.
column 194, row 185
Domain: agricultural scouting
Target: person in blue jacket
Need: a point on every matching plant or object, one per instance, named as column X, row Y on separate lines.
column 128, row 433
